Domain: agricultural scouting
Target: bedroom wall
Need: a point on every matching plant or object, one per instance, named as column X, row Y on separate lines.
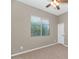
column 21, row 28
column 64, row 19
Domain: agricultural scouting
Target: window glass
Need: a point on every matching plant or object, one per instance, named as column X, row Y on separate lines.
column 39, row 27
column 36, row 26
column 45, row 27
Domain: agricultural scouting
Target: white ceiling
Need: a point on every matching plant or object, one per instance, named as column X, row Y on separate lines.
column 40, row 4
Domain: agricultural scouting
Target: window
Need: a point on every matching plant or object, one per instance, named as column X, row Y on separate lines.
column 39, row 27
column 45, row 27
column 35, row 26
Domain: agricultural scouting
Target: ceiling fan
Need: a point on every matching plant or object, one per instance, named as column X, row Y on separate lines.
column 56, row 3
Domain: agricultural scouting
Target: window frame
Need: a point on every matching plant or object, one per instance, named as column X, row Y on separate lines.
column 41, row 27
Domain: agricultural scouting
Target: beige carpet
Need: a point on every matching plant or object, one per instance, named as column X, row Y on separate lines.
column 57, row 51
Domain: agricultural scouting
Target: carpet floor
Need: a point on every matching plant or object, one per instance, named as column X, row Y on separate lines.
column 57, row 51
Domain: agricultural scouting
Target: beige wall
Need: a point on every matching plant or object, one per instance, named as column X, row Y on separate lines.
column 64, row 19
column 21, row 28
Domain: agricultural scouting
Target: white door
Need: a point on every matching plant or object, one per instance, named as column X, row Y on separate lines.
column 61, row 33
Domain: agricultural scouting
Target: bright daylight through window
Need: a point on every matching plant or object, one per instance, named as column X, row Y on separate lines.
column 39, row 27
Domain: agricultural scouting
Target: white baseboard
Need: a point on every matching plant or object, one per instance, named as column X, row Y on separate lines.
column 63, row 44
column 32, row 49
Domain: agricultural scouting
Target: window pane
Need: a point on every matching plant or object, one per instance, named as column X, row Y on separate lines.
column 35, row 26
column 45, row 28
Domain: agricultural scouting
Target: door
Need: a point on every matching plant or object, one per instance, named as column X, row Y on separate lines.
column 61, row 33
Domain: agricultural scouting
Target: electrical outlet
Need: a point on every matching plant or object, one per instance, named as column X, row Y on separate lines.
column 21, row 47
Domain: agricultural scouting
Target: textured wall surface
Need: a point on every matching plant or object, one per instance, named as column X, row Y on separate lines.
column 21, row 28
